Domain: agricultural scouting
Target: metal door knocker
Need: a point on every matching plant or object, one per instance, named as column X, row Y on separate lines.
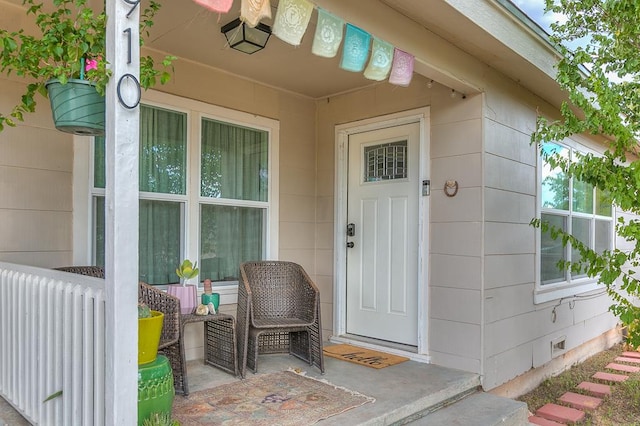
column 451, row 188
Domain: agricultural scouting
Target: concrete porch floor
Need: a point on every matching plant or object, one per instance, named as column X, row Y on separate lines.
column 399, row 391
column 405, row 393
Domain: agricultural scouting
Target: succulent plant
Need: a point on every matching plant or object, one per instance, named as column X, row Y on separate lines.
column 143, row 310
column 187, row 270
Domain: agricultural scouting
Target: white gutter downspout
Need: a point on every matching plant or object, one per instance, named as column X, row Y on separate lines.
column 121, row 197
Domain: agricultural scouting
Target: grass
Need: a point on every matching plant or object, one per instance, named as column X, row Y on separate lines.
column 621, row 408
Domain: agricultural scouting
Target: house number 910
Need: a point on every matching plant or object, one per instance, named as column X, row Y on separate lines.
column 130, row 78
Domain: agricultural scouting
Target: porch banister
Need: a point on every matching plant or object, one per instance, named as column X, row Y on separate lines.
column 121, row 196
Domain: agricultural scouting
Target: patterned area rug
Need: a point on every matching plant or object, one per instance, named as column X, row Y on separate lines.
column 284, row 398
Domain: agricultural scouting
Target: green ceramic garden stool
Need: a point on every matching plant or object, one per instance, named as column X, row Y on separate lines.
column 155, row 388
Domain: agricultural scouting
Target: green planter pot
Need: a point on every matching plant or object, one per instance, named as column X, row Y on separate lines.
column 77, row 107
column 155, row 388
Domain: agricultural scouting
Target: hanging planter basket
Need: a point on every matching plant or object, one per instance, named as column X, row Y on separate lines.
column 77, row 107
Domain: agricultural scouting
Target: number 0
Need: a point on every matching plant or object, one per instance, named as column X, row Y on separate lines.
column 138, row 91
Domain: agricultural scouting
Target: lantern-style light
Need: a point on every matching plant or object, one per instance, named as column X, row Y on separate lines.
column 242, row 37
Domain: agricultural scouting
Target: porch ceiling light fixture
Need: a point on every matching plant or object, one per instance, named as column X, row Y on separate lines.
column 242, row 37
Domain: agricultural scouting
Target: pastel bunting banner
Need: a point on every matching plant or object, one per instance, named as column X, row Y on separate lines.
column 292, row 19
column 381, row 60
column 219, row 6
column 402, row 68
column 252, row 11
column 328, row 36
column 355, row 50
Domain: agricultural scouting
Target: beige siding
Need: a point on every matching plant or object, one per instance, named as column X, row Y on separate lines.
column 518, row 333
column 456, row 232
column 36, row 163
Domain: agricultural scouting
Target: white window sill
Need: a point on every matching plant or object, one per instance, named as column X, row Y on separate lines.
column 551, row 292
column 228, row 291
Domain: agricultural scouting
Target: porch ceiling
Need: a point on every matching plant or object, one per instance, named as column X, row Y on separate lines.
column 193, row 33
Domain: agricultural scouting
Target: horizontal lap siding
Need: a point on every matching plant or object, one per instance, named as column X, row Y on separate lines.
column 456, row 233
column 517, row 332
column 36, row 164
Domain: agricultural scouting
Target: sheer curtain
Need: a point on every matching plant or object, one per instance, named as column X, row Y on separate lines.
column 163, row 170
column 163, row 153
column 234, row 163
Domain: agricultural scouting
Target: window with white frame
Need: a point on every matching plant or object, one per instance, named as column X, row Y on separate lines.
column 217, row 210
column 577, row 208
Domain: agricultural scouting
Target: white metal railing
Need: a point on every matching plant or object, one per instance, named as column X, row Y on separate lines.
column 52, row 338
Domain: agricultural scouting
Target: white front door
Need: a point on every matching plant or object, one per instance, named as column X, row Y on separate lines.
column 383, row 242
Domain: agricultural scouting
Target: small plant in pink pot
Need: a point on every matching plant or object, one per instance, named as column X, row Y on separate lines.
column 187, row 293
column 187, row 270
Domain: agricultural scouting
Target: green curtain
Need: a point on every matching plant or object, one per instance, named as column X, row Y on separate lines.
column 163, row 153
column 234, row 162
column 234, row 165
column 163, row 169
column 159, row 240
column 160, row 233
column 229, row 236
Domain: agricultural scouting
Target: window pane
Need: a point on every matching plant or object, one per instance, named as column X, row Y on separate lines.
column 229, row 236
column 99, row 179
column 581, row 229
column 385, row 162
column 603, row 203
column 233, row 162
column 552, row 251
column 163, row 150
column 160, row 231
column 159, row 240
column 582, row 197
column 603, row 235
column 555, row 183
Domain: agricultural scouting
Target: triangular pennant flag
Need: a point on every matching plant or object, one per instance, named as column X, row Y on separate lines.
column 220, row 6
column 402, row 69
column 355, row 50
column 381, row 60
column 328, row 37
column 252, row 11
column 292, row 19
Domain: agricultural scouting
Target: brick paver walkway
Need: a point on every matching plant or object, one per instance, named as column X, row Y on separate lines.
column 572, row 406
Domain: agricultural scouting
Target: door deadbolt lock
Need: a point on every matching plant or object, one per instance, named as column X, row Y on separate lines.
column 350, row 244
column 351, row 229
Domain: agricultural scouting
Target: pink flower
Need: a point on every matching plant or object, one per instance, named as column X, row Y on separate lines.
column 91, row 64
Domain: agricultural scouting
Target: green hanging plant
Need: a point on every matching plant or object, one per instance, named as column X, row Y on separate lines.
column 70, row 44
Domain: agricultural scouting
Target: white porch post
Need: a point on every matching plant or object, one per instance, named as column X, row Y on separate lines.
column 121, row 242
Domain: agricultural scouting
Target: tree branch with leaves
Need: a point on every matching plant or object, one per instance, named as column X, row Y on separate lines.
column 601, row 77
